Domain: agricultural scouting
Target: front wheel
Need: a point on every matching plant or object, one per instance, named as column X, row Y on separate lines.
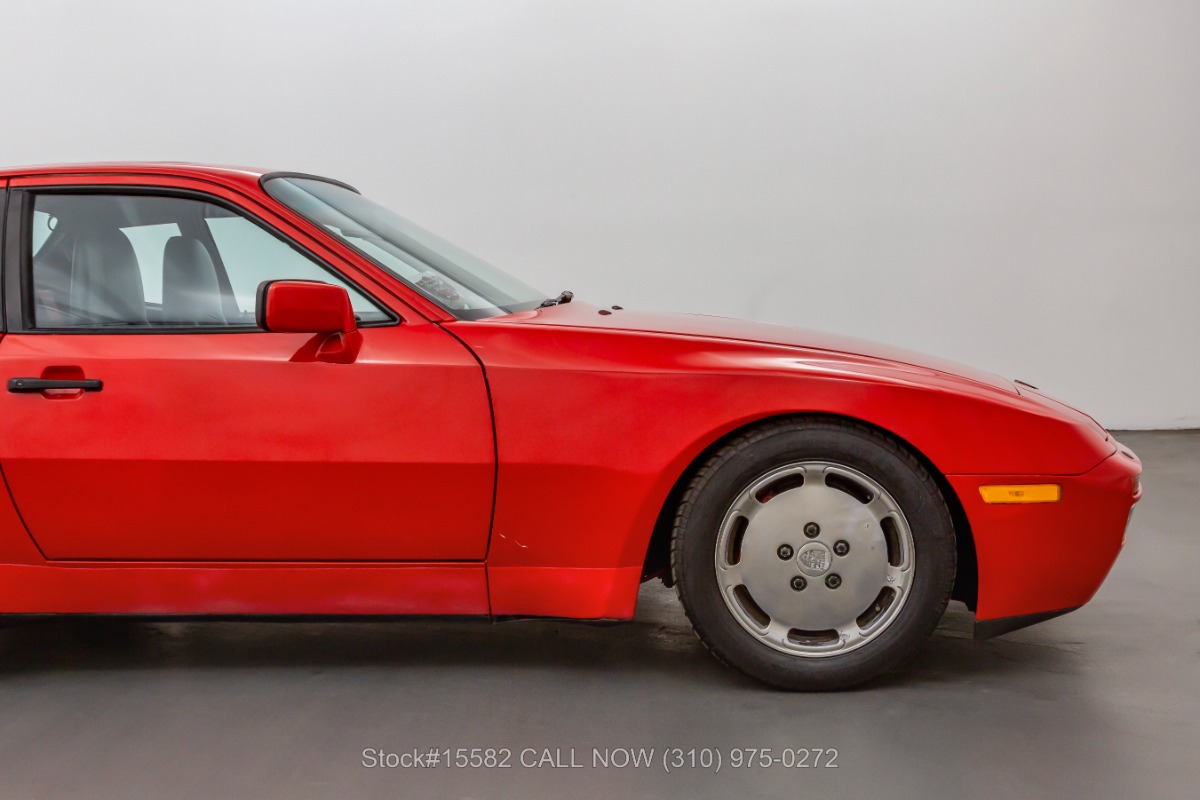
column 813, row 554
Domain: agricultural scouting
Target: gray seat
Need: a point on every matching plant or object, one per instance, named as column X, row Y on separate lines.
column 191, row 293
column 106, row 284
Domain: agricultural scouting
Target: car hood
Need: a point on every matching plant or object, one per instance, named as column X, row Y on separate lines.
column 702, row 326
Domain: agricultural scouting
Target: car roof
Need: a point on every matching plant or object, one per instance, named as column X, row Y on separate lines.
column 126, row 167
column 228, row 175
column 236, row 177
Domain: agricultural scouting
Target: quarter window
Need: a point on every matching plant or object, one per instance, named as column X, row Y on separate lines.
column 111, row 261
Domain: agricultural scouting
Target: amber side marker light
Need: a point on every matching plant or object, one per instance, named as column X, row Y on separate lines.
column 1028, row 493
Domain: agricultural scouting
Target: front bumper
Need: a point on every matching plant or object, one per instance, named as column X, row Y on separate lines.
column 1039, row 560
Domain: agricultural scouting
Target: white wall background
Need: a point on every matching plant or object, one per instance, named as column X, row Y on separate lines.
column 1011, row 184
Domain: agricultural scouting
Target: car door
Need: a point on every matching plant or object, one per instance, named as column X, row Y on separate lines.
column 198, row 436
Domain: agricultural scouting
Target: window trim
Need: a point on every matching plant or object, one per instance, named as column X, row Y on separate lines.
column 17, row 296
column 4, row 193
column 267, row 176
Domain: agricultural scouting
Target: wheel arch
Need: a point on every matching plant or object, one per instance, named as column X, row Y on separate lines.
column 657, row 561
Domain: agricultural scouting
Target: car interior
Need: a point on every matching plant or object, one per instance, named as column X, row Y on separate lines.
column 105, row 260
column 88, row 273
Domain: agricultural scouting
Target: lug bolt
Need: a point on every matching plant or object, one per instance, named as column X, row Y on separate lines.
column 785, row 551
column 812, row 530
column 841, row 548
column 833, row 581
column 799, row 583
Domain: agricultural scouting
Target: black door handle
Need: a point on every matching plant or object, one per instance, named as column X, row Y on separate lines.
column 26, row 385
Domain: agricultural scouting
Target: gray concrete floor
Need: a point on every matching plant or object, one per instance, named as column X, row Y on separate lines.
column 1100, row 703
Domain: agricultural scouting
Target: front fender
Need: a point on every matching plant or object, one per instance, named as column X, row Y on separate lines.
column 594, row 427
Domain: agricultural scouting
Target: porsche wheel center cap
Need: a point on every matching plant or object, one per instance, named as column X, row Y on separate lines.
column 814, row 559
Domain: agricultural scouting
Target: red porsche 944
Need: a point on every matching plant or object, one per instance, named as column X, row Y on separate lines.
column 237, row 392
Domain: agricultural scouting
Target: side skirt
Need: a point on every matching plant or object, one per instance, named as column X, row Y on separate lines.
column 595, row 593
column 243, row 590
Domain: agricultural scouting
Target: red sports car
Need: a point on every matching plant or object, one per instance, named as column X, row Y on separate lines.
column 237, row 392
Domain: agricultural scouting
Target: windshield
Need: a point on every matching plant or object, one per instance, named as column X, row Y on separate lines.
column 464, row 285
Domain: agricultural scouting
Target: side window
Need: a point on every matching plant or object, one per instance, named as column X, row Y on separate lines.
column 43, row 225
column 105, row 261
column 149, row 244
column 252, row 256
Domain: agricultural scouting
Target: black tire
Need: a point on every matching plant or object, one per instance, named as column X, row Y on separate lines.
column 757, row 452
